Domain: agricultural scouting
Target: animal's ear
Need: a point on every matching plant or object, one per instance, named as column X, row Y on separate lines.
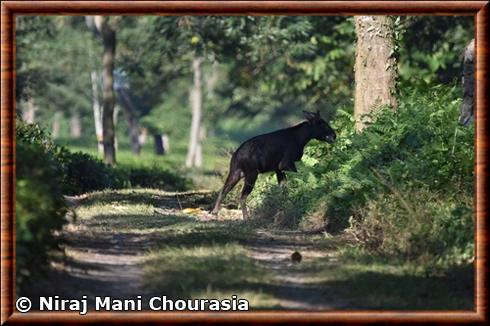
column 310, row 116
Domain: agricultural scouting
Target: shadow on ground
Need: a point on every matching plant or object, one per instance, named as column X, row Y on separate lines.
column 165, row 252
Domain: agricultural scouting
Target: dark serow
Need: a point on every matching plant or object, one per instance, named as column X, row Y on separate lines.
column 273, row 152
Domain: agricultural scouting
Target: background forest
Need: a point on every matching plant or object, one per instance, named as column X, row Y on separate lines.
column 108, row 103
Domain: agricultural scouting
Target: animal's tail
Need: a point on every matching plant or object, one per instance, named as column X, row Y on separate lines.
column 233, row 165
column 231, row 180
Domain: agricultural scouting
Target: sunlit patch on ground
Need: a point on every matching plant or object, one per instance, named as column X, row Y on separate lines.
column 148, row 242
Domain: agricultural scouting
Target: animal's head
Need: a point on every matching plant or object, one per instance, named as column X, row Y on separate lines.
column 319, row 128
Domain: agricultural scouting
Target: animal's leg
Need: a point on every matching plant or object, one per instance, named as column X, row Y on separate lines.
column 281, row 177
column 230, row 182
column 247, row 189
column 287, row 166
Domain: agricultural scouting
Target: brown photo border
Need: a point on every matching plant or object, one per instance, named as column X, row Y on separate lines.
column 9, row 9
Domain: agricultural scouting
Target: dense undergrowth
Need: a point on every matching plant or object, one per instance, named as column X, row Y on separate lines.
column 403, row 187
column 44, row 173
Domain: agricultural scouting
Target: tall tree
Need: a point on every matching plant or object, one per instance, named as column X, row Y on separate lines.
column 196, row 39
column 122, row 88
column 97, row 110
column 29, row 109
column 108, row 99
column 375, row 67
column 468, row 81
column 129, row 113
column 194, row 153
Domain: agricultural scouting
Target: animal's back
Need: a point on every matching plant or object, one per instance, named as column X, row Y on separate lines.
column 264, row 152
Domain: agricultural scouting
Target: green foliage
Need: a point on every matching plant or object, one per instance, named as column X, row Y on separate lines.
column 153, row 177
column 172, row 116
column 269, row 67
column 275, row 206
column 40, row 206
column 433, row 229
column 45, row 172
column 290, row 62
column 54, row 57
column 432, row 48
column 183, row 271
column 417, row 147
column 32, row 34
column 83, row 173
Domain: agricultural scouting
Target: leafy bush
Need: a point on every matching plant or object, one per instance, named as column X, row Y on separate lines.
column 154, row 177
column 275, row 206
column 40, row 206
column 429, row 228
column 83, row 172
column 418, row 146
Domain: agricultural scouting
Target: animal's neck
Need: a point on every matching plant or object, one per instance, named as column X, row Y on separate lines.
column 303, row 134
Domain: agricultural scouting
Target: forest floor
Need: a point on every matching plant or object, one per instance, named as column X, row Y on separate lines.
column 145, row 242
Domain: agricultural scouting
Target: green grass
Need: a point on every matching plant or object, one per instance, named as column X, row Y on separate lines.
column 207, row 270
column 216, row 156
column 186, row 257
column 369, row 282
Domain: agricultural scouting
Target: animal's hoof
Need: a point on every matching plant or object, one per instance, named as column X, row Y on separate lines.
column 296, row 257
column 213, row 212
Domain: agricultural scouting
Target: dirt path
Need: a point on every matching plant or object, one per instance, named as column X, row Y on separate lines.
column 95, row 263
column 295, row 287
column 292, row 284
column 103, row 265
column 151, row 243
column 103, row 258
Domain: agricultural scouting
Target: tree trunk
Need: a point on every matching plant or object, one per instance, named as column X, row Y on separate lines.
column 117, row 109
column 29, row 110
column 129, row 114
column 166, row 143
column 212, row 80
column 194, row 154
column 97, row 108
column 94, row 24
column 55, row 127
column 109, row 42
column 468, row 80
column 202, row 136
column 159, row 149
column 375, row 67
column 75, row 125
column 143, row 136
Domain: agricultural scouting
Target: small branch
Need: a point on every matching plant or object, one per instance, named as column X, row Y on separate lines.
column 178, row 200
